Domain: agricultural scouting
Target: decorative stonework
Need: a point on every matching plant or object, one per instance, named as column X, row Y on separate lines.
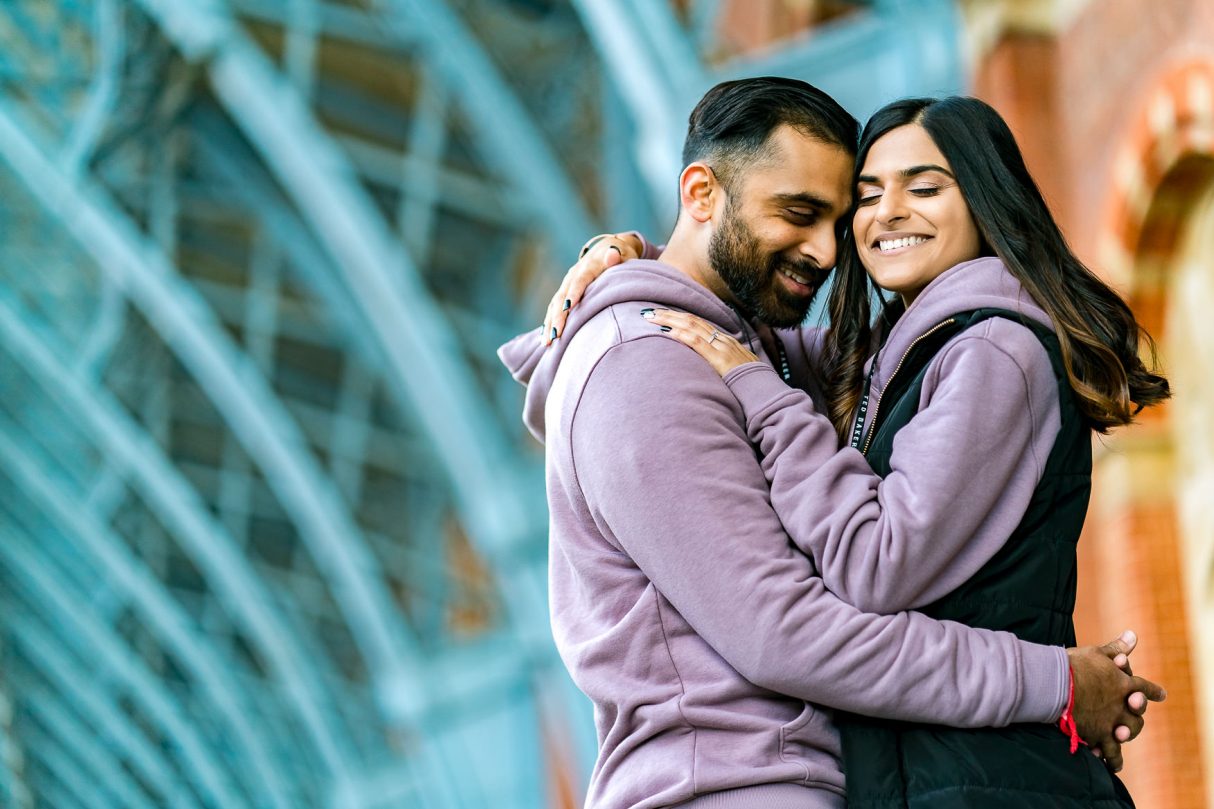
column 1177, row 119
column 1156, row 234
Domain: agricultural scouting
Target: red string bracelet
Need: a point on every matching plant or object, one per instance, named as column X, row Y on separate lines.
column 1067, row 722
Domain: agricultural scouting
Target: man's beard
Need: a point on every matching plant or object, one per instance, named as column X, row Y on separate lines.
column 750, row 275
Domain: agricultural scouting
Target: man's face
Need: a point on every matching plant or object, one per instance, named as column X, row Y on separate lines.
column 774, row 244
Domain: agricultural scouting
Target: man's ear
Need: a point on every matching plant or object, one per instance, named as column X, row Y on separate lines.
column 698, row 191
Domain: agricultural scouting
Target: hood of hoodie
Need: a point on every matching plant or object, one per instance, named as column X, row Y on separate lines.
column 977, row 284
column 641, row 282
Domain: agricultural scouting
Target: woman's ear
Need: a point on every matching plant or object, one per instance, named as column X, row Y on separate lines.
column 698, row 191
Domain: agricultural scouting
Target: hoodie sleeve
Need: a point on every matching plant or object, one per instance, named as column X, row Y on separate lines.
column 963, row 471
column 522, row 356
column 665, row 467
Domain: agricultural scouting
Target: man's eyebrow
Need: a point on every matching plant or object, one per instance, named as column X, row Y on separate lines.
column 907, row 173
column 808, row 200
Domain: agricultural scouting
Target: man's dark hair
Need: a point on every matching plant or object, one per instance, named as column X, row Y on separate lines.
column 730, row 127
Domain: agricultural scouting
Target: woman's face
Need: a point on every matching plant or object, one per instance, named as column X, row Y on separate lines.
column 911, row 222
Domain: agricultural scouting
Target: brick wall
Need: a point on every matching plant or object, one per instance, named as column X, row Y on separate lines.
column 1113, row 116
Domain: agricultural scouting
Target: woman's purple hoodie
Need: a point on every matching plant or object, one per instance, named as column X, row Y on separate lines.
column 708, row 643
column 963, row 469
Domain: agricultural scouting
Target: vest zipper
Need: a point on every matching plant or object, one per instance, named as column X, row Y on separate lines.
column 877, row 405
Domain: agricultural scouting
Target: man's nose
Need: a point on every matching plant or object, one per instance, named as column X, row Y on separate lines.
column 821, row 247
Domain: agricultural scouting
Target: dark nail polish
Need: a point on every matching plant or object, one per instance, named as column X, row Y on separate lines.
column 553, row 332
column 646, row 312
column 664, row 328
column 568, row 303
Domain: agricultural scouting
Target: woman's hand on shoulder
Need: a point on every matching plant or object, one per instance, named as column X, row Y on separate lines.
column 598, row 255
column 723, row 352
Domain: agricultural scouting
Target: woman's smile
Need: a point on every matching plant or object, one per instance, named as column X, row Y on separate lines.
column 897, row 243
column 911, row 221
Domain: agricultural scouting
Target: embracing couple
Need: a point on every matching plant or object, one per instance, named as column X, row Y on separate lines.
column 780, row 555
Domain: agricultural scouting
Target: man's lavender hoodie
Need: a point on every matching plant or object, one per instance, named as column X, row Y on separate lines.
column 678, row 603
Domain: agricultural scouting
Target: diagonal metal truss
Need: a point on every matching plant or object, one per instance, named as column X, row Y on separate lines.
column 270, row 531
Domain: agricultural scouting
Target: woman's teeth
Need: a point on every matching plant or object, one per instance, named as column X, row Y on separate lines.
column 885, row 245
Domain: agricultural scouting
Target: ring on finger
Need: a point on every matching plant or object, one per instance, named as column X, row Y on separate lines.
column 715, row 334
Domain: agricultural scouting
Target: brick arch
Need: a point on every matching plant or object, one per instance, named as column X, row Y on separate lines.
column 1174, row 121
column 1135, row 568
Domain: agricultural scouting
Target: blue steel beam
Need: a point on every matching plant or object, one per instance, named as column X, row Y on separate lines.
column 73, row 618
column 235, row 385
column 260, row 422
column 506, row 135
column 416, row 214
column 419, row 346
column 60, row 766
column 656, row 75
column 299, row 50
column 16, row 793
column 420, row 349
column 350, row 23
column 892, row 49
column 56, row 797
column 96, row 762
column 476, row 694
column 97, row 707
column 218, row 149
column 109, row 43
column 104, row 332
column 666, row 38
column 702, row 20
column 159, row 611
column 40, row 46
column 895, row 48
column 140, row 459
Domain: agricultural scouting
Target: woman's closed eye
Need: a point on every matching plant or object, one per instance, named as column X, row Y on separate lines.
column 868, row 197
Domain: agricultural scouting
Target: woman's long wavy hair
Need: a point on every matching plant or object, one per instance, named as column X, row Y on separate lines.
column 1097, row 332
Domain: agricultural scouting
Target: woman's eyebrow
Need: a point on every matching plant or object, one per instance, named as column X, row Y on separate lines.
column 907, row 173
column 926, row 167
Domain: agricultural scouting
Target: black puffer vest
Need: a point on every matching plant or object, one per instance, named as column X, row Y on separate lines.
column 1028, row 588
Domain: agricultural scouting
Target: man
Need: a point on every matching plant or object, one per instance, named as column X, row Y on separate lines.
column 707, row 642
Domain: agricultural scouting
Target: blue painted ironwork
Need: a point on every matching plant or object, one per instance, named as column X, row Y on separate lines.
column 13, row 788
column 158, row 611
column 96, row 765
column 889, row 49
column 41, row 587
column 252, row 411
column 55, row 760
column 135, row 456
column 256, row 256
column 52, row 667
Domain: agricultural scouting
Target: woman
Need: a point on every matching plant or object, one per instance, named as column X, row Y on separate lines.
column 997, row 356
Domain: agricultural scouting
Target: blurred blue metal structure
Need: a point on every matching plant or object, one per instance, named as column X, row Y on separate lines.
column 271, row 533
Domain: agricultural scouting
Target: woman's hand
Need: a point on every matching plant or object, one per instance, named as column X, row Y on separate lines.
column 722, row 351
column 600, row 254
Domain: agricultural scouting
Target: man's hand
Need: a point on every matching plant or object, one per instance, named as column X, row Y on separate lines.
column 1109, row 700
